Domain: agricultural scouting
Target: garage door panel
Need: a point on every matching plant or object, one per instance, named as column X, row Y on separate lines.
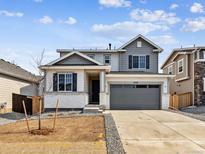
column 131, row 97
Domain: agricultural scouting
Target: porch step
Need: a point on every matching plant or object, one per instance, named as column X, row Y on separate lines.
column 93, row 109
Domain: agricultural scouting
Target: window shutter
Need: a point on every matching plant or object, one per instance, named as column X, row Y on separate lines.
column 55, row 81
column 130, row 61
column 74, row 81
column 147, row 61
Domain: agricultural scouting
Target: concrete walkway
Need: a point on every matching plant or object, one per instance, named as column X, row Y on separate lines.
column 159, row 132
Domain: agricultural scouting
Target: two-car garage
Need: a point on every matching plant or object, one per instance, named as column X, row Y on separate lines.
column 135, row 97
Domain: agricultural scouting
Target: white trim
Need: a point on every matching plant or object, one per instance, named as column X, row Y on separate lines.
column 139, row 44
column 107, row 68
column 70, row 54
column 168, row 65
column 109, row 59
column 139, row 55
column 204, row 84
column 182, row 66
column 144, row 38
column 65, row 82
column 170, row 69
column 181, row 79
column 141, row 75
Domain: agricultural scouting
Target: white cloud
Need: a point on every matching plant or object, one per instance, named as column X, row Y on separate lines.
column 11, row 14
column 115, row 3
column 173, row 6
column 126, row 29
column 159, row 16
column 38, row 1
column 163, row 39
column 46, row 20
column 70, row 21
column 194, row 25
column 197, row 8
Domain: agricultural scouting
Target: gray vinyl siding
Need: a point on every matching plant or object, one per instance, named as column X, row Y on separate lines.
column 75, row 60
column 114, row 59
column 132, row 49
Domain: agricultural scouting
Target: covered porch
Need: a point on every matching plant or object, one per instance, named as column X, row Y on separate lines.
column 95, row 86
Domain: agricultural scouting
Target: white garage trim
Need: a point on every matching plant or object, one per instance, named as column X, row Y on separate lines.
column 138, row 79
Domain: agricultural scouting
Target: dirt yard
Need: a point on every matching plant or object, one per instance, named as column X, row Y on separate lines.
column 73, row 135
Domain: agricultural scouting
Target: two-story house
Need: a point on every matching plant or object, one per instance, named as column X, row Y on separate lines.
column 123, row 78
column 188, row 66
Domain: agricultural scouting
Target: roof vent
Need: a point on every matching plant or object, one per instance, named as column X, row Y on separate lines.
column 110, row 46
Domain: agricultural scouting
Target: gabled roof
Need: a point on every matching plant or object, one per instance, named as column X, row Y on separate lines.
column 159, row 49
column 72, row 53
column 15, row 71
column 179, row 51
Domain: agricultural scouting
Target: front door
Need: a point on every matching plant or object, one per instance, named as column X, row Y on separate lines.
column 95, row 91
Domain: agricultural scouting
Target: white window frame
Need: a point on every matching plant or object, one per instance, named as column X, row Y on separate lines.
column 181, row 60
column 170, row 69
column 139, row 44
column 91, row 56
column 204, row 84
column 65, row 82
column 105, row 56
column 139, row 66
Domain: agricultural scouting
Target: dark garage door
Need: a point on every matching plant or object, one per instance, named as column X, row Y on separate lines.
column 135, row 97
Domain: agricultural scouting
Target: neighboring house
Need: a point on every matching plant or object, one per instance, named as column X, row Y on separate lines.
column 123, row 78
column 14, row 79
column 188, row 64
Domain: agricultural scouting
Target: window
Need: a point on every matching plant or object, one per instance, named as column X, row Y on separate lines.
column 139, row 62
column 142, row 62
column 139, row 44
column 91, row 56
column 170, row 69
column 201, row 55
column 180, row 66
column 107, row 59
column 65, row 81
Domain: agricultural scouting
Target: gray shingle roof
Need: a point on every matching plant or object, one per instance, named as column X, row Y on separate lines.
column 13, row 70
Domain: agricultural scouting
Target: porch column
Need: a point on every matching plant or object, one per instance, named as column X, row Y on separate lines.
column 102, row 81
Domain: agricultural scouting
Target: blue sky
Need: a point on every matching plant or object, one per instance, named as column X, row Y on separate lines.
column 29, row 26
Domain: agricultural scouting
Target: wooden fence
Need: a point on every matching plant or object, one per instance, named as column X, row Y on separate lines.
column 32, row 103
column 178, row 101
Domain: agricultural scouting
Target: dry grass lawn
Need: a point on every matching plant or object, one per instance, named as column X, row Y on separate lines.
column 83, row 134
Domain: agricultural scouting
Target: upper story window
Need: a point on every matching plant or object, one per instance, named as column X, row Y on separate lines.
column 139, row 44
column 139, row 62
column 180, row 65
column 201, row 55
column 170, row 69
column 107, row 59
column 91, row 56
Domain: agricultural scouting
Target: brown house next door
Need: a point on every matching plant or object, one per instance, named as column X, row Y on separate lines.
column 95, row 91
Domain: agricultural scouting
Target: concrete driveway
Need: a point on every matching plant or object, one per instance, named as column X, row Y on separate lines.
column 159, row 132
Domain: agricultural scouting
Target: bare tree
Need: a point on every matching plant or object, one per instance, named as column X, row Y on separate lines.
column 38, row 61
